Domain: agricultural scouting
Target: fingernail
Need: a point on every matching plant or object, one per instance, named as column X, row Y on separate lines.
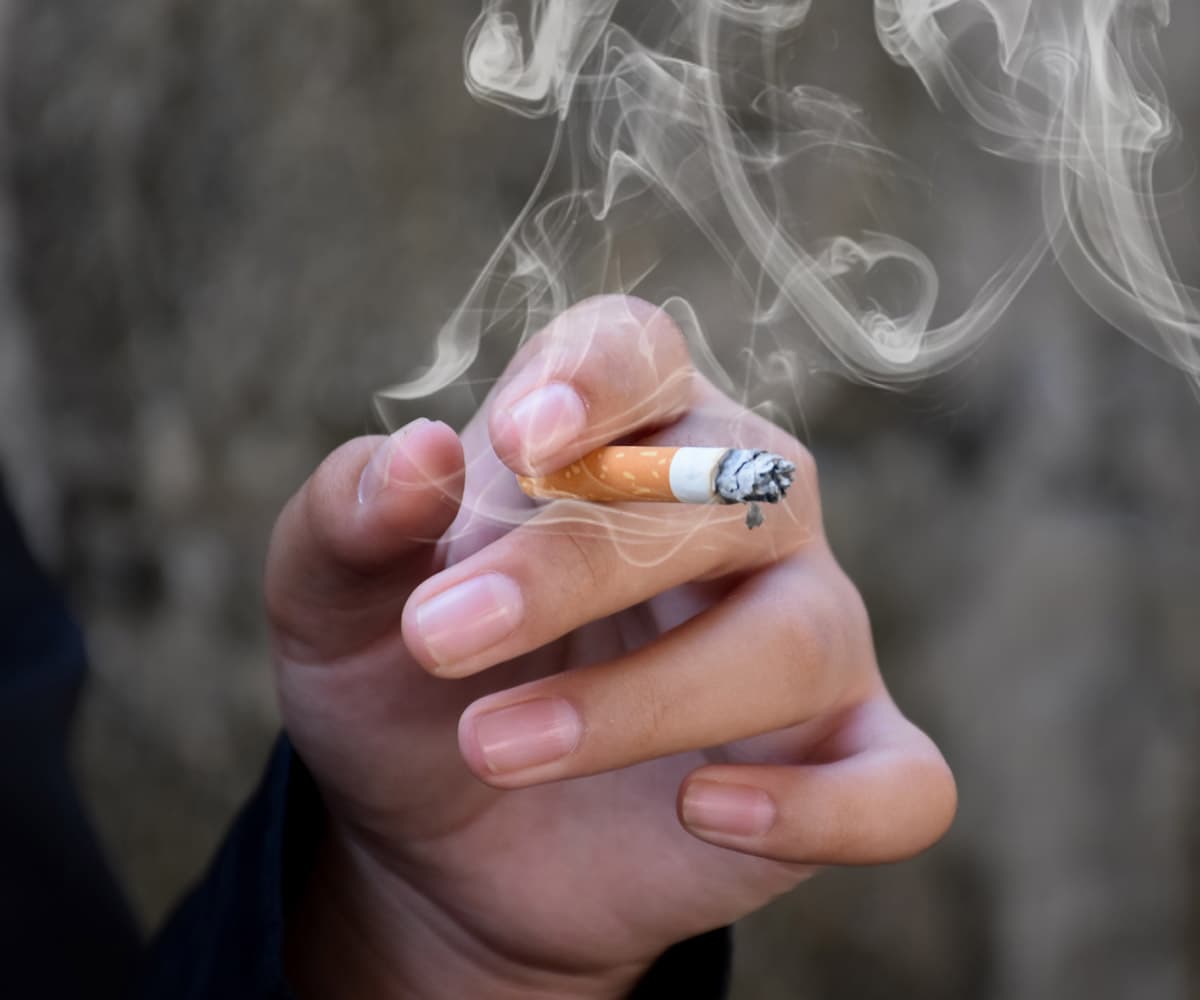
column 525, row 735
column 730, row 810
column 377, row 476
column 469, row 617
column 548, row 419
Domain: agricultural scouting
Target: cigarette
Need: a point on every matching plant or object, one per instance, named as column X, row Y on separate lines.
column 669, row 475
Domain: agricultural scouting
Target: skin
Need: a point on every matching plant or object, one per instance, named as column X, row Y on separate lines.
column 697, row 658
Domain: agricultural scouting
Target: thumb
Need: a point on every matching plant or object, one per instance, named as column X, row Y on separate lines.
column 358, row 537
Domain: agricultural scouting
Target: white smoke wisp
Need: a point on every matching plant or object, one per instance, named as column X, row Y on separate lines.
column 1076, row 91
column 654, row 126
column 1072, row 89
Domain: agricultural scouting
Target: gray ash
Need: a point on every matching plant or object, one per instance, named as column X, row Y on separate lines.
column 753, row 476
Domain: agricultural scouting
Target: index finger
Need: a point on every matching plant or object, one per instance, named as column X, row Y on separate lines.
column 604, row 369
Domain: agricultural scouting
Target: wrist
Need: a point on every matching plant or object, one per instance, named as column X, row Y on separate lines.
column 360, row 931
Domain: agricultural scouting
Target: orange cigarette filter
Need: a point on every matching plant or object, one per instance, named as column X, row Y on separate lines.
column 608, row 475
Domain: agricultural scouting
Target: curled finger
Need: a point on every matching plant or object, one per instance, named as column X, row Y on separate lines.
column 887, row 801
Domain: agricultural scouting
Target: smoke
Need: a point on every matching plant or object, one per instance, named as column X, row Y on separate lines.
column 1077, row 93
column 689, row 118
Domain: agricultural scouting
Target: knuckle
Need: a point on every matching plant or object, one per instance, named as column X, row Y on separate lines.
column 585, row 565
column 609, row 348
column 638, row 343
column 828, row 632
column 570, row 559
column 646, row 356
column 655, row 709
column 816, row 635
column 607, row 371
column 853, row 609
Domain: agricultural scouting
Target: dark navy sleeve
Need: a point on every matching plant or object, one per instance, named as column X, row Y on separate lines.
column 698, row 967
column 226, row 940
column 66, row 930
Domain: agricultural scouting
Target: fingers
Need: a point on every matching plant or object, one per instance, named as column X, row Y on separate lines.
column 605, row 368
column 890, row 800
column 574, row 564
column 350, row 537
column 721, row 676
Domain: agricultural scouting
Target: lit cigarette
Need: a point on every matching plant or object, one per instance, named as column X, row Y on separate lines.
column 669, row 475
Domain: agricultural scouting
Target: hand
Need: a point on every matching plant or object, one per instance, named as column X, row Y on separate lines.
column 448, row 653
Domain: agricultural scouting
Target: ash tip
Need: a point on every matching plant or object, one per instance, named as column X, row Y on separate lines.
column 753, row 476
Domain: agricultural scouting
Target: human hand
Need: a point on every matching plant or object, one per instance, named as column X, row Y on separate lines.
column 712, row 694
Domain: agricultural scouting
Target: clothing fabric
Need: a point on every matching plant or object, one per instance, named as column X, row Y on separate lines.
column 68, row 930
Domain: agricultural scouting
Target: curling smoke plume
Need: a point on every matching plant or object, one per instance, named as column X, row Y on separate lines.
column 660, row 125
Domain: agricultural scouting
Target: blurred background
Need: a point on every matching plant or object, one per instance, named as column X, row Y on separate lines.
column 225, row 224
